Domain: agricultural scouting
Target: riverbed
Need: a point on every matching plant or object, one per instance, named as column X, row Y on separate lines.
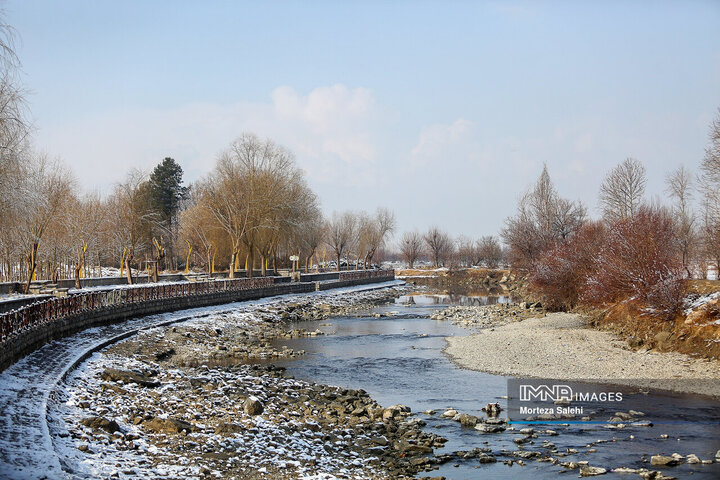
column 395, row 353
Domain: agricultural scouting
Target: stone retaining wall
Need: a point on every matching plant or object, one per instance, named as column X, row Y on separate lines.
column 19, row 345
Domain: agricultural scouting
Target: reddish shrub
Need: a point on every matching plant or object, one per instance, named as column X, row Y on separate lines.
column 559, row 276
column 639, row 259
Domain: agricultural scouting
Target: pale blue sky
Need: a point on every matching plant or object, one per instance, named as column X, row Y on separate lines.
column 443, row 111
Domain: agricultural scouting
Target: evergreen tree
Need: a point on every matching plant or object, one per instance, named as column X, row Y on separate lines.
column 166, row 190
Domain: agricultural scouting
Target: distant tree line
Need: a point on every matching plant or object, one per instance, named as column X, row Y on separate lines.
column 442, row 250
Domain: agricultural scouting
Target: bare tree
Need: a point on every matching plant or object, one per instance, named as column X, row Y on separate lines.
column 709, row 182
column 132, row 218
column 439, row 245
column 342, row 229
column 466, row 251
column 47, row 188
column 621, row 192
column 679, row 186
column 411, row 247
column 14, row 126
column 490, row 251
column 373, row 232
column 85, row 219
column 310, row 235
column 543, row 219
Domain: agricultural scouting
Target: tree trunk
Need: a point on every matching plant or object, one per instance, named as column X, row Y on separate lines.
column 263, row 268
column 32, row 265
column 338, row 262
column 232, row 264
column 251, row 262
column 128, row 268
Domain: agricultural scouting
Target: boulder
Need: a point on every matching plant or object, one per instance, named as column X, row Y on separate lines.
column 228, row 429
column 489, row 428
column 468, row 420
column 253, row 406
column 588, row 471
column 663, row 461
column 101, row 423
column 115, row 375
column 492, row 409
column 168, row 425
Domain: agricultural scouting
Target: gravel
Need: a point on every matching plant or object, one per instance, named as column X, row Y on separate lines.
column 561, row 346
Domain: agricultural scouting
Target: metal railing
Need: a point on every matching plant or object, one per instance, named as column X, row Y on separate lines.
column 31, row 316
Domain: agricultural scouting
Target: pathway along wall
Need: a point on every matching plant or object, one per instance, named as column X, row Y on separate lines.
column 26, row 329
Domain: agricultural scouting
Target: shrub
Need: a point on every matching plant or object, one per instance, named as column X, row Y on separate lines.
column 560, row 275
column 639, row 259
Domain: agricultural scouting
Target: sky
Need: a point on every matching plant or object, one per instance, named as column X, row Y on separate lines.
column 442, row 111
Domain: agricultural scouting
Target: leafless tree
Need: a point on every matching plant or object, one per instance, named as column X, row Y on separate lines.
column 543, row 218
column 132, row 218
column 85, row 220
column 311, row 235
column 411, row 247
column 342, row 229
column 709, row 185
column 14, row 125
column 47, row 188
column 621, row 192
column 466, row 251
column 373, row 232
column 490, row 251
column 679, row 187
column 439, row 245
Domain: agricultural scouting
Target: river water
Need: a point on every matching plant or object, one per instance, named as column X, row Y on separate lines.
column 399, row 359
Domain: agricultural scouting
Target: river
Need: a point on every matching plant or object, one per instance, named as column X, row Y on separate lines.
column 399, row 359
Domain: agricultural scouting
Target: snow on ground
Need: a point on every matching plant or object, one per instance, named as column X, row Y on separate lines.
column 26, row 387
column 695, row 303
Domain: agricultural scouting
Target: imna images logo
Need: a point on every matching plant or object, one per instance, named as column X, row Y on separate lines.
column 553, row 393
column 545, row 393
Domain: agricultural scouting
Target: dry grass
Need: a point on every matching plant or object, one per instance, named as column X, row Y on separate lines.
column 703, row 287
column 695, row 334
column 420, row 272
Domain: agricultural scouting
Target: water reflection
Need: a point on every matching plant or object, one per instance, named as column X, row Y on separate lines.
column 485, row 297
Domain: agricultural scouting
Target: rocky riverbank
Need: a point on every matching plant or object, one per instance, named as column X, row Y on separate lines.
column 489, row 315
column 188, row 402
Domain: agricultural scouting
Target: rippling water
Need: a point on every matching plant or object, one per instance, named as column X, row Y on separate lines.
column 399, row 360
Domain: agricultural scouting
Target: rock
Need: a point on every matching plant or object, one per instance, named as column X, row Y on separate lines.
column 588, row 471
column 468, row 420
column 228, row 429
column 115, row 375
column 253, row 406
column 692, row 458
column 101, row 423
column 662, row 460
column 390, row 413
column 662, row 338
column 485, row 458
column 492, row 409
column 489, row 428
column 429, row 412
column 450, row 413
column 168, row 425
